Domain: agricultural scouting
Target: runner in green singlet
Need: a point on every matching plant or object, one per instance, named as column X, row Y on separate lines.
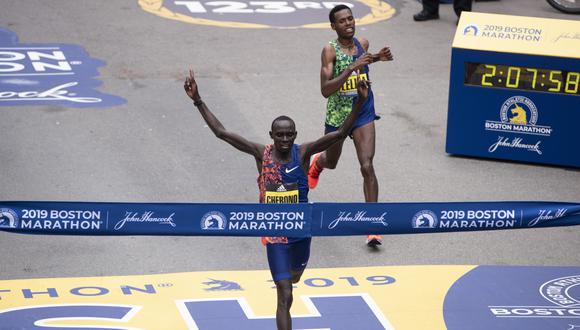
column 342, row 58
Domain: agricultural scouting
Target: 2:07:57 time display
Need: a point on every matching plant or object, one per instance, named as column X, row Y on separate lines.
column 522, row 78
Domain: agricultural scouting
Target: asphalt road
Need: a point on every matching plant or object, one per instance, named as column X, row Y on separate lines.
column 156, row 148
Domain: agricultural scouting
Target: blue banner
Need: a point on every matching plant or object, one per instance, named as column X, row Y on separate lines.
column 294, row 220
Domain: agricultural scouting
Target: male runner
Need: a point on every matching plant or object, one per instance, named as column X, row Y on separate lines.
column 342, row 58
column 282, row 163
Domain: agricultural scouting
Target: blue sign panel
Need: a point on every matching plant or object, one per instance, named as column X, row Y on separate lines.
column 525, row 125
column 49, row 74
column 514, row 298
column 515, row 89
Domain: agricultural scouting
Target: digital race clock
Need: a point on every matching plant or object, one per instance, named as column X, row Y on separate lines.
column 515, row 89
column 522, row 78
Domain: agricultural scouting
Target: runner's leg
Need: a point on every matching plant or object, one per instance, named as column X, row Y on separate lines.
column 329, row 158
column 364, row 142
column 284, row 292
column 280, row 262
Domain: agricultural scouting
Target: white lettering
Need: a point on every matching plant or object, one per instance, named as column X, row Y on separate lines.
column 11, row 67
column 145, row 217
column 42, row 66
column 515, row 143
column 54, row 94
column 360, row 216
column 56, row 55
column 546, row 215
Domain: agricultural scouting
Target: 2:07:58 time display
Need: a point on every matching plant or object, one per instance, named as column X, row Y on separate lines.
column 522, row 78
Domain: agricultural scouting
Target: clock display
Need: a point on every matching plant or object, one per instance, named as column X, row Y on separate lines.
column 522, row 78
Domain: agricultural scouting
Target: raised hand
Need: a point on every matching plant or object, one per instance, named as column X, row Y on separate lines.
column 384, row 54
column 365, row 59
column 191, row 88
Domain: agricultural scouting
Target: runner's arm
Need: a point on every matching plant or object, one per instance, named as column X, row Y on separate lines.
column 310, row 148
column 328, row 85
column 237, row 141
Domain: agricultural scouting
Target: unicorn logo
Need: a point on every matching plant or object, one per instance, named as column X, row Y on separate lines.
column 424, row 219
column 219, row 285
column 519, row 110
column 213, row 221
column 519, row 116
column 471, row 30
column 8, row 218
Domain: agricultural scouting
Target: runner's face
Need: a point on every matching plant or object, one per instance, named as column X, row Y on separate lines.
column 344, row 23
column 283, row 133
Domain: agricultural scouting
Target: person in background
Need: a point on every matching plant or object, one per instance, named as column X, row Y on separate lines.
column 431, row 9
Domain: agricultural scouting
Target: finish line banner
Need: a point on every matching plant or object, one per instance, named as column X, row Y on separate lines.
column 294, row 220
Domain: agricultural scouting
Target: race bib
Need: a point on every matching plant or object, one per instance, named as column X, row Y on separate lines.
column 349, row 86
column 280, row 194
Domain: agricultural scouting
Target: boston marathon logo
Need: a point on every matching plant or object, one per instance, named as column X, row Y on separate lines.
column 471, row 30
column 562, row 293
column 559, row 291
column 424, row 219
column 514, row 298
column 213, row 221
column 265, row 14
column 8, row 218
column 518, row 114
column 49, row 74
column 221, row 285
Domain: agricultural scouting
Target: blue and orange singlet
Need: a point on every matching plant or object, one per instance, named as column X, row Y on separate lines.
column 282, row 183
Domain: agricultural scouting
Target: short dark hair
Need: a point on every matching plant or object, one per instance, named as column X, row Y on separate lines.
column 335, row 10
column 281, row 118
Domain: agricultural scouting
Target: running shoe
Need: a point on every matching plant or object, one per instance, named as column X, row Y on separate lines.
column 314, row 172
column 374, row 240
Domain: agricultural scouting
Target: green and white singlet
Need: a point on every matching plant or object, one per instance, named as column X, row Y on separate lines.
column 340, row 103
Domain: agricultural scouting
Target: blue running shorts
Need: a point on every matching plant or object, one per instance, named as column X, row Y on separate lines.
column 287, row 258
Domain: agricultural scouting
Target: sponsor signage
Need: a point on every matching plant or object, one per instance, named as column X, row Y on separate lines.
column 265, row 14
column 156, row 219
column 291, row 220
column 371, row 298
column 389, row 218
column 514, row 88
column 49, row 74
